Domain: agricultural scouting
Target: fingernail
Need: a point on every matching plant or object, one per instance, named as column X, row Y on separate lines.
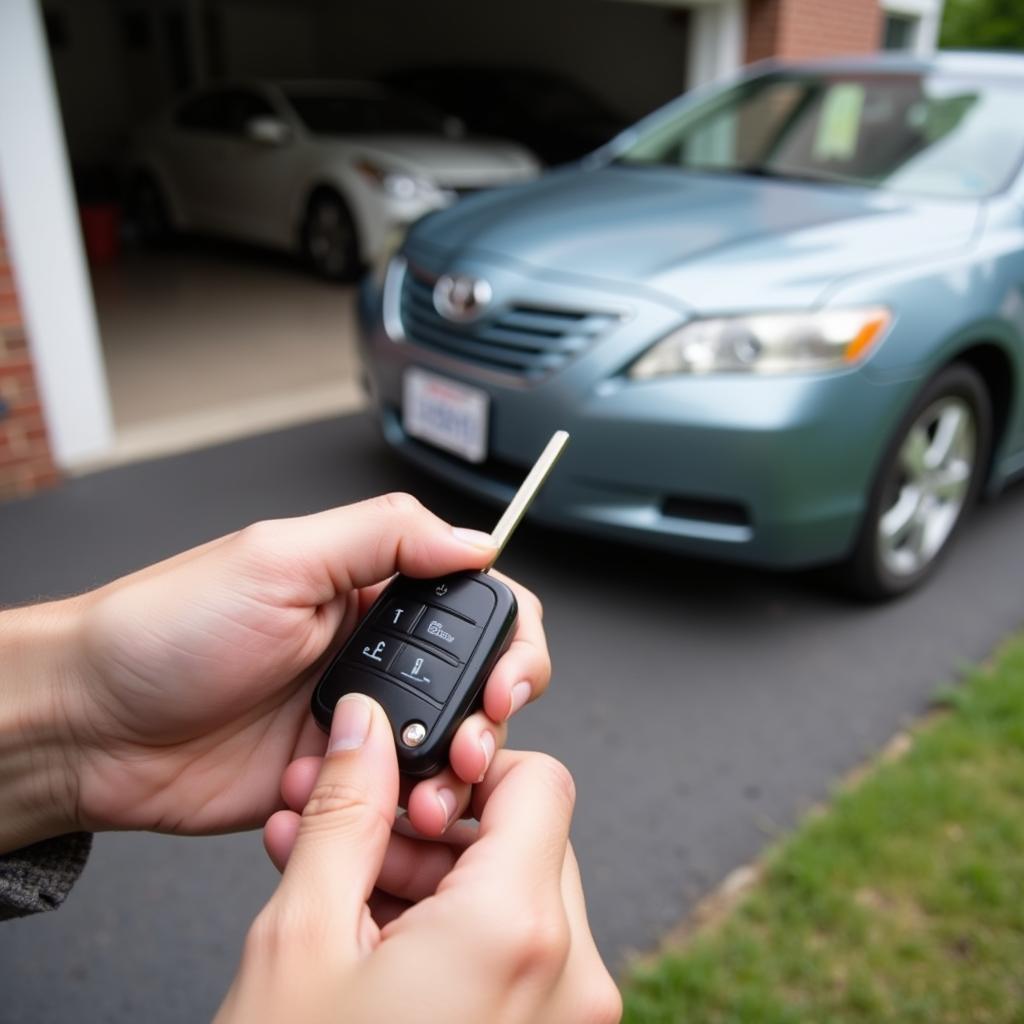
column 519, row 696
column 351, row 725
column 446, row 798
column 474, row 538
column 487, row 746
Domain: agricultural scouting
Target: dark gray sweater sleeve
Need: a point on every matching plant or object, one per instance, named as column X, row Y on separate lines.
column 38, row 877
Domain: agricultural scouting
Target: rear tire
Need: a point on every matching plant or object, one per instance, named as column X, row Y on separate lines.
column 330, row 241
column 929, row 478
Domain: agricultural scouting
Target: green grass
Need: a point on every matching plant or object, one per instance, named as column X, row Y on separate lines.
column 904, row 902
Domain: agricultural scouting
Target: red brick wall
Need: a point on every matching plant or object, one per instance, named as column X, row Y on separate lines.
column 797, row 29
column 25, row 460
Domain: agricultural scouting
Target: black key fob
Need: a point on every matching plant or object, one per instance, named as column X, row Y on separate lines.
column 424, row 652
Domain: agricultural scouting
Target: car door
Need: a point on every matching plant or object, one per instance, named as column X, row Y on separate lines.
column 259, row 174
column 193, row 155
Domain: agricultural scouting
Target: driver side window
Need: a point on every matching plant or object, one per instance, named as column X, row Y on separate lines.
column 224, row 112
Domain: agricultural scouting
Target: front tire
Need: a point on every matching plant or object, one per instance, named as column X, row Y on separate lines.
column 330, row 241
column 929, row 478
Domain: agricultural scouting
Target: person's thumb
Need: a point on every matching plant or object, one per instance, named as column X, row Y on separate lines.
column 345, row 826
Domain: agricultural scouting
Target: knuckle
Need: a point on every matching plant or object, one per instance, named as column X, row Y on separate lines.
column 258, row 535
column 268, row 936
column 260, row 542
column 282, row 929
column 558, row 778
column 261, row 941
column 532, row 601
column 335, row 798
column 398, row 503
column 544, row 670
column 601, row 1003
column 341, row 807
column 537, row 942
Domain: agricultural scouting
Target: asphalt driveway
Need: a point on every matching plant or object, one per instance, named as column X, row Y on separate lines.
column 701, row 708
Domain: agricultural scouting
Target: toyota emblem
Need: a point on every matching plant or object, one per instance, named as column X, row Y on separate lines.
column 460, row 297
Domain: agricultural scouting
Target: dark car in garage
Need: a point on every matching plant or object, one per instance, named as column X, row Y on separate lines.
column 552, row 115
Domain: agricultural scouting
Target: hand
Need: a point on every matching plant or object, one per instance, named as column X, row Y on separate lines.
column 183, row 689
column 498, row 935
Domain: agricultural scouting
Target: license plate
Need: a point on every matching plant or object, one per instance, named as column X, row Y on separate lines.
column 445, row 413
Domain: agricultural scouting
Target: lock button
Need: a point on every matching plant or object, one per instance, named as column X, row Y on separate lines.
column 399, row 615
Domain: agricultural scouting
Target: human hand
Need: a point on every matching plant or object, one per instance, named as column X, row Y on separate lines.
column 183, row 690
column 370, row 925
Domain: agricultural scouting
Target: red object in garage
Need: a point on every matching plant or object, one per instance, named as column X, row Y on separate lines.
column 101, row 229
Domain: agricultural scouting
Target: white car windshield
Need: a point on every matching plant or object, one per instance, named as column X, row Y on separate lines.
column 366, row 114
column 924, row 134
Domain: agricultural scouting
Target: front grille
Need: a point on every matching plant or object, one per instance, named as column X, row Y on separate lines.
column 526, row 340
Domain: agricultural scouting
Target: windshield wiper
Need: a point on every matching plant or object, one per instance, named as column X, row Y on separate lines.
column 760, row 171
column 747, row 171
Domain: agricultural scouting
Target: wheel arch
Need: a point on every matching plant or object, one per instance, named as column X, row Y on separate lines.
column 321, row 186
column 998, row 371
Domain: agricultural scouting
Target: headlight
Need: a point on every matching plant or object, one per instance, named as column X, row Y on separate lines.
column 398, row 184
column 767, row 343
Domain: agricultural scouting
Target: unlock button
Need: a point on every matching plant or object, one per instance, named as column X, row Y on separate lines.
column 427, row 673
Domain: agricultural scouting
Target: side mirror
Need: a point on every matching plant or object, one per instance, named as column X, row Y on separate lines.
column 268, row 131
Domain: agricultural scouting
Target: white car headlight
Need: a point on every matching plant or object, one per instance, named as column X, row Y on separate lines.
column 766, row 343
column 398, row 184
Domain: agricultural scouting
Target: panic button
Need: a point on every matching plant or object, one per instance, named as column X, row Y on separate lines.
column 447, row 632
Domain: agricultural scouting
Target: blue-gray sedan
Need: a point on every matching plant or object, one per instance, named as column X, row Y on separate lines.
column 782, row 320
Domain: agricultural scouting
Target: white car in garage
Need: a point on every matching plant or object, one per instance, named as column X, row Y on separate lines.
column 334, row 171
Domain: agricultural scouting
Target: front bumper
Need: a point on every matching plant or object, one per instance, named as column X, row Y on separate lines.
column 764, row 470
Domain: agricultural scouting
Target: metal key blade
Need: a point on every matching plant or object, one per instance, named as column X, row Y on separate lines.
column 517, row 507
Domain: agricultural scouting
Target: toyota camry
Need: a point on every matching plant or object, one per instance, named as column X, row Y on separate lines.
column 781, row 318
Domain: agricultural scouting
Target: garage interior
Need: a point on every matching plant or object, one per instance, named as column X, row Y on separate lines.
column 206, row 340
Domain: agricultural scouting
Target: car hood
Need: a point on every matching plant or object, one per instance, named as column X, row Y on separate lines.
column 455, row 163
column 703, row 240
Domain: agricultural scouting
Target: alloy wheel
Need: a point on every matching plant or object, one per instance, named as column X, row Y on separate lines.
column 329, row 239
column 934, row 470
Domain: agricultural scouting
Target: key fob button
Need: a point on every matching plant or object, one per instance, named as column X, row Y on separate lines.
column 375, row 650
column 448, row 632
column 400, row 615
column 436, row 678
column 464, row 596
column 426, row 662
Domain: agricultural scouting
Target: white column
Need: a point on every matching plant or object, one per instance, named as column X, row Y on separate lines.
column 41, row 225
column 716, row 42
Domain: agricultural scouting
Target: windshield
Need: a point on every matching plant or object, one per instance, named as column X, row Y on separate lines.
column 928, row 135
column 366, row 114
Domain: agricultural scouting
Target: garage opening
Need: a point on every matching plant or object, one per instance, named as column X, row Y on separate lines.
column 222, row 329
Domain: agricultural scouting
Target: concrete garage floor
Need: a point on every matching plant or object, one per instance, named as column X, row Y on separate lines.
column 207, row 341
column 701, row 708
